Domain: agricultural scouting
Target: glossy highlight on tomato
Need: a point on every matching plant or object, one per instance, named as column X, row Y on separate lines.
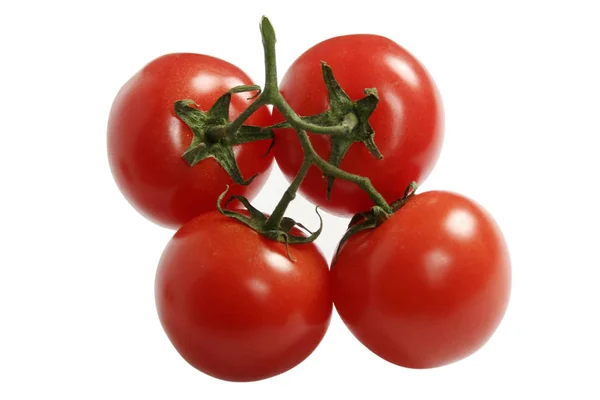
column 408, row 120
column 427, row 287
column 146, row 140
column 234, row 305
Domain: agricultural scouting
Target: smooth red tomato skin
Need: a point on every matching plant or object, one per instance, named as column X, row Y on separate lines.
column 429, row 286
column 408, row 120
column 146, row 140
column 232, row 303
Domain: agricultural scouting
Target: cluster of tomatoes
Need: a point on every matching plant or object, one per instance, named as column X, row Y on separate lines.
column 426, row 287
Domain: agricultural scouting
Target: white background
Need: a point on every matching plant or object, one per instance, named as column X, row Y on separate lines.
column 520, row 82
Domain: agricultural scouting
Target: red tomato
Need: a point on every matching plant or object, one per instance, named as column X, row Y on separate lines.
column 146, row 140
column 427, row 287
column 233, row 304
column 408, row 120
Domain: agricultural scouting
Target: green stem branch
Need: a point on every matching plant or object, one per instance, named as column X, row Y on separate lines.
column 298, row 123
column 363, row 182
column 271, row 95
column 232, row 127
column 268, row 38
column 288, row 196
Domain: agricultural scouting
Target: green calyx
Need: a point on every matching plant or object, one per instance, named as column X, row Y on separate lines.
column 374, row 217
column 347, row 120
column 354, row 114
column 259, row 223
column 211, row 139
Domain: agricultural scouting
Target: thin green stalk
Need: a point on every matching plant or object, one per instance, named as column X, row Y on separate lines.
column 293, row 119
column 269, row 39
column 363, row 182
column 232, row 127
column 288, row 196
column 271, row 90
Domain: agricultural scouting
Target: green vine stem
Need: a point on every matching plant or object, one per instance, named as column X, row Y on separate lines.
column 289, row 195
column 345, row 121
column 363, row 182
column 271, row 95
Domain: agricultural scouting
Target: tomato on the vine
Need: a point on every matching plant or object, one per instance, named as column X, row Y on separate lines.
column 427, row 287
column 234, row 305
column 146, row 140
column 408, row 121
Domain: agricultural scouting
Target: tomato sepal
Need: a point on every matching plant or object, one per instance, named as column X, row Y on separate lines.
column 374, row 217
column 210, row 137
column 343, row 111
column 362, row 222
column 257, row 221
